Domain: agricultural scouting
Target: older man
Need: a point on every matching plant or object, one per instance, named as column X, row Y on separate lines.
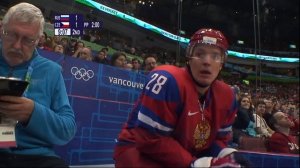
column 44, row 115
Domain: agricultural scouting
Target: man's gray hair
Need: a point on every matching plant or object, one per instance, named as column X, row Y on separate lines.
column 26, row 13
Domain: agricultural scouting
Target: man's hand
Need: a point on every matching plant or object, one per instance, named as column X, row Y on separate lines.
column 18, row 108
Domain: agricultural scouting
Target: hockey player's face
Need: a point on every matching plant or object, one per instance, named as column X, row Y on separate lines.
column 205, row 63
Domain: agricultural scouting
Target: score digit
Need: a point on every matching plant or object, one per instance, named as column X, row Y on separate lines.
column 62, row 32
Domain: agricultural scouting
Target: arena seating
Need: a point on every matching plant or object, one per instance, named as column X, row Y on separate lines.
column 252, row 144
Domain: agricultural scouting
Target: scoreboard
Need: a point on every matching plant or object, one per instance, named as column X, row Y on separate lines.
column 73, row 25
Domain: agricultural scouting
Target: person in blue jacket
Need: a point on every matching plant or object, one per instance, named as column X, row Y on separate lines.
column 43, row 114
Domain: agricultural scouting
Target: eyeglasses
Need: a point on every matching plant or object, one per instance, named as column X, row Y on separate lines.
column 216, row 57
column 13, row 37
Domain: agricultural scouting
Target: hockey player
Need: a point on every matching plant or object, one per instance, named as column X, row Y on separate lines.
column 183, row 117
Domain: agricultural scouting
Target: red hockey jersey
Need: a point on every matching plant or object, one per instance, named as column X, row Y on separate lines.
column 171, row 126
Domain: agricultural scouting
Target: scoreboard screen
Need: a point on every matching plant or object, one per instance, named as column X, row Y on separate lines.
column 73, row 25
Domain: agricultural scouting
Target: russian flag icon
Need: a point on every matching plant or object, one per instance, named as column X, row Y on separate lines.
column 64, row 17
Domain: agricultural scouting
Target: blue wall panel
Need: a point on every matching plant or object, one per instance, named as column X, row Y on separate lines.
column 102, row 97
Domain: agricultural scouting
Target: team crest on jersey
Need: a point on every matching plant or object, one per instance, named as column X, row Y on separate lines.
column 201, row 134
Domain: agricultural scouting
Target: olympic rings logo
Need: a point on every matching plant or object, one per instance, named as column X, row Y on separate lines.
column 82, row 73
